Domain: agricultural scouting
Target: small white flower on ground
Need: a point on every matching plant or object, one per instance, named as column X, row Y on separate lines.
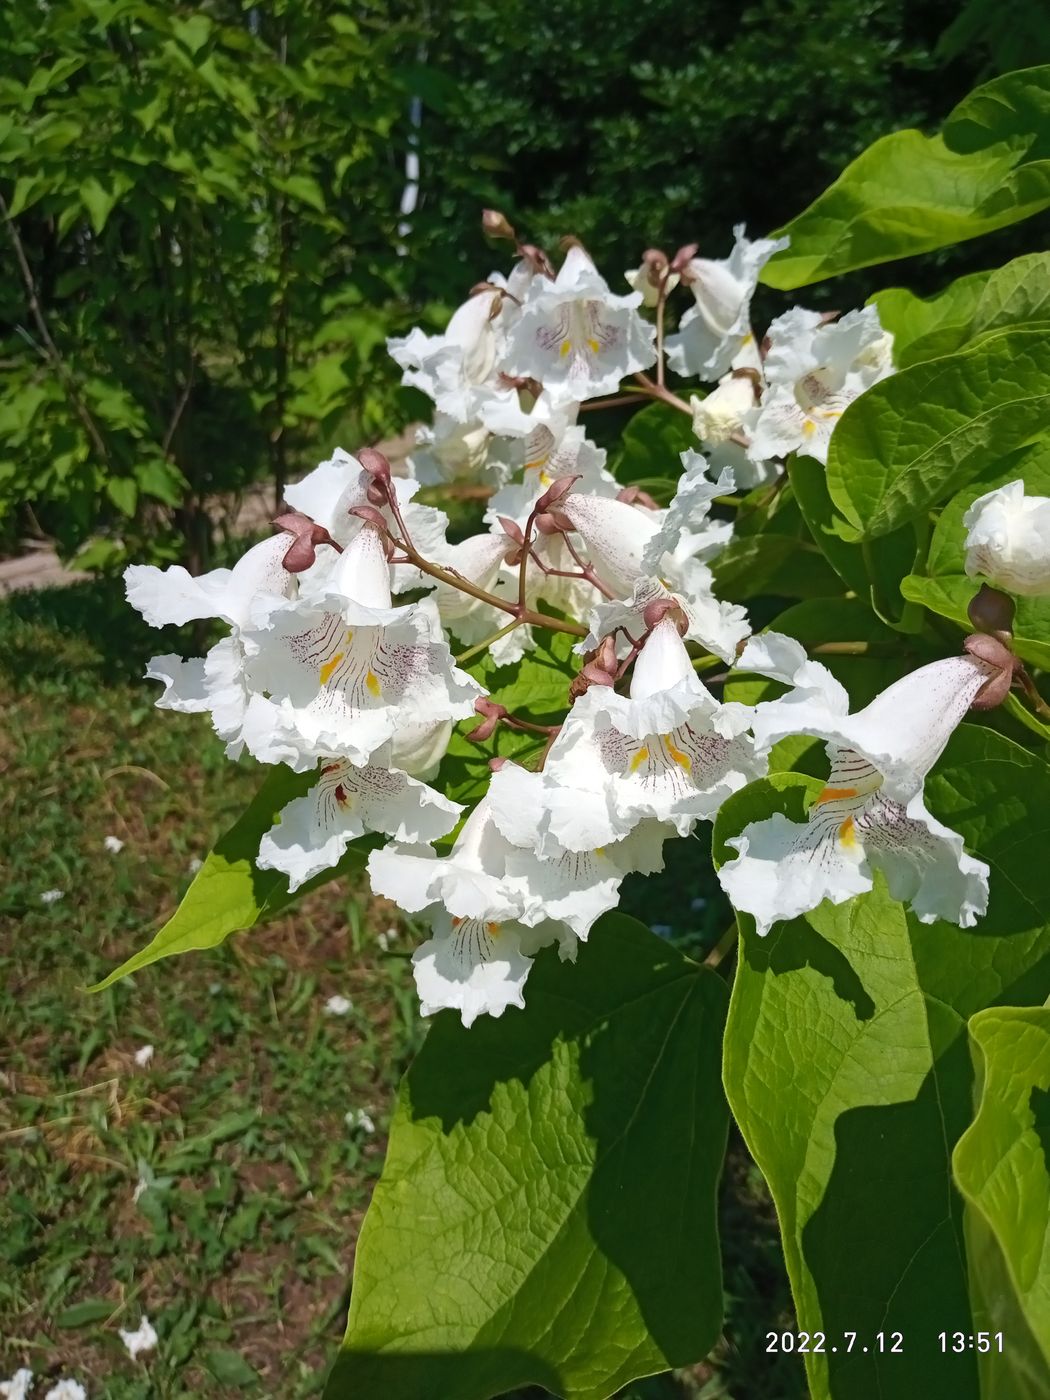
column 66, row 1390
column 871, row 813
column 19, row 1386
column 194, row 865
column 113, row 844
column 358, row 1118
column 144, row 1338
column 814, row 371
column 141, row 1187
column 52, row 896
column 338, row 1006
column 575, row 336
column 1008, row 540
column 143, row 1055
column 717, row 329
column 312, row 833
column 384, row 938
column 668, row 753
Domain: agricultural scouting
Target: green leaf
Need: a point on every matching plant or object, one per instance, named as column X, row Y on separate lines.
column 230, row 1368
column 909, row 193
column 652, row 444
column 303, row 188
column 229, row 893
column 773, row 564
column 847, row 1070
column 82, row 1314
column 1000, row 1163
column 546, row 1213
column 98, row 201
column 919, row 436
column 1015, row 295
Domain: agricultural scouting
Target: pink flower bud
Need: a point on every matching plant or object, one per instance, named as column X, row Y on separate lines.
column 537, row 259
column 370, row 515
column 635, row 496
column 376, row 493
column 511, row 528
column 992, row 651
column 683, row 258
column 553, row 523
column 373, row 462
column 493, row 714
column 555, row 491
column 302, row 551
column 993, row 612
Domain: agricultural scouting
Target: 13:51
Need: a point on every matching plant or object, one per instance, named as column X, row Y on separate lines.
column 971, row 1341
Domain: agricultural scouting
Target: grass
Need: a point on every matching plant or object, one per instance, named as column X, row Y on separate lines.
column 250, row 1182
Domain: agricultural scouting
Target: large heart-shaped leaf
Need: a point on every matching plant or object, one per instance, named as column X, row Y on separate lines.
column 921, row 435
column 847, row 1069
column 909, row 193
column 546, row 1214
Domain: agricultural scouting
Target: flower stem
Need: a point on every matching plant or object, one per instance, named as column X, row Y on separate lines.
column 723, row 947
column 484, row 645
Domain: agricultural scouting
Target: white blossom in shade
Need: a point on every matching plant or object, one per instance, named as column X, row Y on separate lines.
column 66, row 1389
column 339, row 485
column 418, row 748
column 717, row 626
column 114, row 845
column 312, row 833
column 717, row 329
column 575, row 336
column 174, row 596
column 640, row 280
column 338, row 1006
column 52, row 896
column 814, row 371
column 668, row 752
column 342, row 672
column 144, row 1338
column 143, row 1055
column 723, row 414
column 480, row 954
column 686, row 531
column 1008, row 540
column 459, row 369
column 481, row 560
column 19, row 1386
column 451, row 451
column 871, row 814
column 359, row 1120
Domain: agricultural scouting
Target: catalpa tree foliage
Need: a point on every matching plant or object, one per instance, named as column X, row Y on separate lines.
column 806, row 599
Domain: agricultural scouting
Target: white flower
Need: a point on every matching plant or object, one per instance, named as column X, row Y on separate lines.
column 575, row 336
column 1008, row 540
column 194, row 865
column 419, row 747
column 19, row 1386
column 143, row 1055
column 814, row 371
column 359, row 1119
column 312, row 833
column 113, row 844
column 686, row 532
column 341, row 672
column 480, row 954
column 459, row 369
column 552, row 445
column 338, row 1006
column 481, row 560
column 339, row 485
column 871, row 813
column 52, row 896
column 640, row 280
column 144, row 1338
column 173, row 596
column 668, row 753
column 452, row 451
column 66, row 1390
column 724, row 412
column 715, row 331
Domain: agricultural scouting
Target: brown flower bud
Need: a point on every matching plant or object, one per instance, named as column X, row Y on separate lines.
column 373, row 462
column 655, row 264
column 635, row 496
column 537, row 259
column 683, row 258
column 660, row 608
column 496, row 225
column 552, row 522
column 511, row 528
column 992, row 612
column 493, row 713
column 993, row 653
column 302, row 552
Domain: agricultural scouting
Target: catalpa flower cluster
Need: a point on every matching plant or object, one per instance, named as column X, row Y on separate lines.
column 360, row 634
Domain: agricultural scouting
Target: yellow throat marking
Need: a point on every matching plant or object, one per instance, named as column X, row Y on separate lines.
column 330, row 666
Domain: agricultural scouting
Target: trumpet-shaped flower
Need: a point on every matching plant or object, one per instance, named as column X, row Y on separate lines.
column 1008, row 540
column 339, row 485
column 312, row 833
column 575, row 336
column 647, row 282
column 668, row 753
column 715, row 331
column 720, row 422
column 341, row 672
column 550, row 444
column 686, row 532
column 814, row 371
column 871, row 813
column 481, row 559
column 453, row 451
column 459, row 369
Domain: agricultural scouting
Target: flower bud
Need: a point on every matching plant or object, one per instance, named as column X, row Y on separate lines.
column 373, row 462
column 537, row 259
column 992, row 612
column 1008, row 540
column 302, row 552
column 992, row 651
column 493, row 713
column 555, row 491
column 681, row 260
column 496, row 225
column 661, row 608
column 602, row 666
column 511, row 528
column 635, row 496
column 552, row 522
